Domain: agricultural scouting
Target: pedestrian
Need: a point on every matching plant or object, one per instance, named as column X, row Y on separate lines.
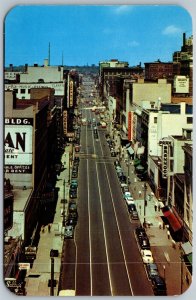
column 139, row 192
column 155, row 207
column 148, row 223
column 168, row 234
column 43, row 228
column 173, row 244
column 159, row 207
column 49, row 226
column 160, row 225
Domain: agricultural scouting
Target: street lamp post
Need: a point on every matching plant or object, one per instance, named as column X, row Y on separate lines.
column 52, row 281
column 145, row 189
column 164, row 272
column 128, row 181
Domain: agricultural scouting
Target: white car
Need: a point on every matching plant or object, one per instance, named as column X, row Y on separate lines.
column 127, row 195
column 147, row 256
column 129, row 200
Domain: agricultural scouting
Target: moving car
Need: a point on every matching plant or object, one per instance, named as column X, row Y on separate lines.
column 152, row 270
column 147, row 256
column 69, row 231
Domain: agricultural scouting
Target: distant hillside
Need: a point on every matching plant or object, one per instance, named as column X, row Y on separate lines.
column 81, row 69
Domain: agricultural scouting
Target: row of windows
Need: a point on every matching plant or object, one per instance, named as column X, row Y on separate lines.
column 189, row 120
column 22, row 91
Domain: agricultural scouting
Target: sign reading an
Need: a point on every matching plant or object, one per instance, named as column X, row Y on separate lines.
column 18, row 145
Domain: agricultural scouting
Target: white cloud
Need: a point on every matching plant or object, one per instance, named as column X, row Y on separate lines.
column 171, row 29
column 133, row 44
column 122, row 9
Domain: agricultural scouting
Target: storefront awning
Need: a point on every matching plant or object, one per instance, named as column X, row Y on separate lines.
column 173, row 221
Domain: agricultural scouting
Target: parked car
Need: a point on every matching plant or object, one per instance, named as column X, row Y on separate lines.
column 73, row 192
column 74, row 174
column 159, row 286
column 131, row 207
column 123, row 178
column 113, row 153
column 144, row 243
column 69, row 231
column 127, row 195
column 74, row 183
column 124, row 187
column 140, row 232
column 134, row 215
column 152, row 270
column 147, row 256
column 130, row 202
column 72, row 206
column 73, row 215
column 76, row 158
column 117, row 163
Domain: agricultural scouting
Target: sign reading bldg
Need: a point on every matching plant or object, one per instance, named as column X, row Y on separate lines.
column 18, row 145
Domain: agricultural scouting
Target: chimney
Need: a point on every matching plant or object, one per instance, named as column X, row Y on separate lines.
column 46, row 62
column 11, row 67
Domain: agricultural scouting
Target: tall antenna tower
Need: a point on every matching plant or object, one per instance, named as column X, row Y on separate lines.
column 62, row 59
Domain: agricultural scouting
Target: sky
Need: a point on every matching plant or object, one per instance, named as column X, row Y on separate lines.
column 87, row 34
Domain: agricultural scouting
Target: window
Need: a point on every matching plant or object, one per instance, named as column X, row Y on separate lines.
column 22, row 91
column 155, row 120
column 189, row 120
column 29, row 91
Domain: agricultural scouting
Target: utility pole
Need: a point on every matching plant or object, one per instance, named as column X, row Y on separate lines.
column 64, row 203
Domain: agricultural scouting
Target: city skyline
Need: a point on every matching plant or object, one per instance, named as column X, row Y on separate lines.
column 86, row 34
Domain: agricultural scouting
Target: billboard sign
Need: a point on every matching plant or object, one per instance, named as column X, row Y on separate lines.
column 18, row 145
column 181, row 84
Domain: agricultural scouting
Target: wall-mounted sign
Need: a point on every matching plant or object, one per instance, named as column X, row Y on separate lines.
column 71, row 93
column 18, row 145
column 164, row 161
column 130, row 126
column 65, row 122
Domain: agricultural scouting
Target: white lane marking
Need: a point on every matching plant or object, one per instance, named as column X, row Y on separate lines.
column 89, row 219
column 105, row 240
column 125, row 262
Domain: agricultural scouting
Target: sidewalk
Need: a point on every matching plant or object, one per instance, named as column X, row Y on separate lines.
column 165, row 254
column 38, row 276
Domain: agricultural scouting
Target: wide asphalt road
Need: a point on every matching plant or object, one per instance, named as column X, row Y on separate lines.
column 108, row 261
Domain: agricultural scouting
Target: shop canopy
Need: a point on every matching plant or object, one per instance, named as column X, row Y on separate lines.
column 173, row 221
